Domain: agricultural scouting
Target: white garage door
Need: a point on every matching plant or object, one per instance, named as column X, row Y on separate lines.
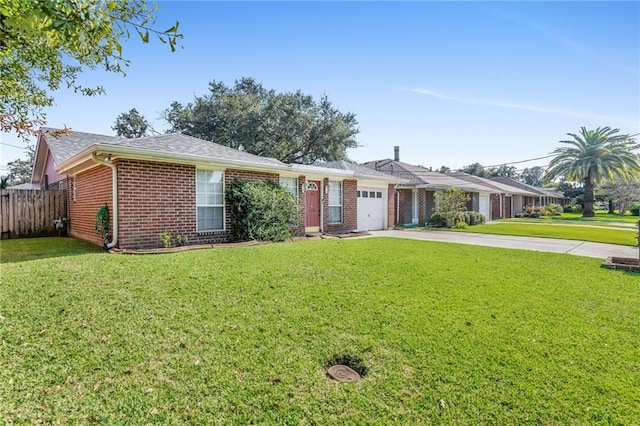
column 484, row 206
column 371, row 209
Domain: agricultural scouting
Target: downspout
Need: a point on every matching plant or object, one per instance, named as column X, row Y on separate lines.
column 501, row 209
column 114, row 175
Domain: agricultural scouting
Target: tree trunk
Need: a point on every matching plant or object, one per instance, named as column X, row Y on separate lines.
column 588, row 197
column 611, row 210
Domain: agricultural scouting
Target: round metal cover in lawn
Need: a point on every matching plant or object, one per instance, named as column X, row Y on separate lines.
column 342, row 373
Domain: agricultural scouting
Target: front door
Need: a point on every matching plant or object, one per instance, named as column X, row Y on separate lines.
column 312, row 208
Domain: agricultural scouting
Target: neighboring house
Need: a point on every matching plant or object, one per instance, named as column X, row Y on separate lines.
column 543, row 197
column 177, row 182
column 415, row 199
column 506, row 200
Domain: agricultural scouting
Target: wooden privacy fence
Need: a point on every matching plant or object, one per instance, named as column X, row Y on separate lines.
column 31, row 213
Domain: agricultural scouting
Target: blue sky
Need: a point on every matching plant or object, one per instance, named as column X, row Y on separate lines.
column 451, row 83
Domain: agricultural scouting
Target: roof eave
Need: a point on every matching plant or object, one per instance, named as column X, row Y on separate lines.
column 144, row 154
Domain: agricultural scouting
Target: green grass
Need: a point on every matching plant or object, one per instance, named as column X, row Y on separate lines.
column 450, row 334
column 535, row 228
column 539, row 221
column 601, row 216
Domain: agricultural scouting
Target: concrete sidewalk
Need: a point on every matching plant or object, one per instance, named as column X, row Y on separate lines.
column 578, row 248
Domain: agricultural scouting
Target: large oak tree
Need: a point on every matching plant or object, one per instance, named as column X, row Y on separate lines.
column 290, row 126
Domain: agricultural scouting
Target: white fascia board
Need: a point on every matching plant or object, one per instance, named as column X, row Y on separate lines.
column 39, row 165
column 308, row 170
column 372, row 183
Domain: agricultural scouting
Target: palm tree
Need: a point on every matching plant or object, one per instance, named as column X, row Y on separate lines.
column 592, row 156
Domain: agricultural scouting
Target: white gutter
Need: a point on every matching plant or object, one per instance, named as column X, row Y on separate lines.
column 144, row 154
column 114, row 175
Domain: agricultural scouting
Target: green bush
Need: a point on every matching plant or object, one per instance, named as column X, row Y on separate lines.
column 470, row 218
column 554, row 209
column 461, row 225
column 576, row 208
column 535, row 214
column 438, row 220
column 634, row 208
column 568, row 209
column 261, row 211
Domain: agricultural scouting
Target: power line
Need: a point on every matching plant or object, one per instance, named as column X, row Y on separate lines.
column 15, row 146
column 522, row 161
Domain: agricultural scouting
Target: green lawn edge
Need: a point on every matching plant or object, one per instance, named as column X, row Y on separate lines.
column 451, row 334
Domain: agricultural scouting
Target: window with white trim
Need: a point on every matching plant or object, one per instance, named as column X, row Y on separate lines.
column 291, row 185
column 335, row 201
column 209, row 200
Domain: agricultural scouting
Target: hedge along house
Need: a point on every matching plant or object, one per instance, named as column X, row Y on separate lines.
column 177, row 182
column 415, row 201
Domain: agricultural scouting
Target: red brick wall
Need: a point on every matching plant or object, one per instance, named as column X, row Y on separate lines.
column 422, row 205
column 391, row 206
column 349, row 207
column 496, row 212
column 405, row 206
column 157, row 197
column 93, row 190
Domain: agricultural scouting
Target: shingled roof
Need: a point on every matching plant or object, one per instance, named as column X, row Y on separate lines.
column 538, row 191
column 68, row 145
column 358, row 169
column 419, row 176
column 497, row 186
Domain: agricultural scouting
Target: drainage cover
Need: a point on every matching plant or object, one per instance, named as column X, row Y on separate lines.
column 342, row 373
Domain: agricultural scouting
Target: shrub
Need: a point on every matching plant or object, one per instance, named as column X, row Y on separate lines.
column 568, row 209
column 470, row 218
column 169, row 240
column 554, row 209
column 260, row 211
column 634, row 208
column 449, row 203
column 576, row 208
column 461, row 225
column 437, row 220
column 535, row 214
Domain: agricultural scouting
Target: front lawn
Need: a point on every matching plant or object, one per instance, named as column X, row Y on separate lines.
column 449, row 334
column 601, row 216
column 536, row 228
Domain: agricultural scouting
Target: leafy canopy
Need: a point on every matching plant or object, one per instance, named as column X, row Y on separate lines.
column 20, row 169
column 475, row 169
column 289, row 126
column 593, row 156
column 46, row 44
column 132, row 124
column 533, row 176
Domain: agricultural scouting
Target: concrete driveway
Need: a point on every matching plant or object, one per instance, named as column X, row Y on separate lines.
column 578, row 248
